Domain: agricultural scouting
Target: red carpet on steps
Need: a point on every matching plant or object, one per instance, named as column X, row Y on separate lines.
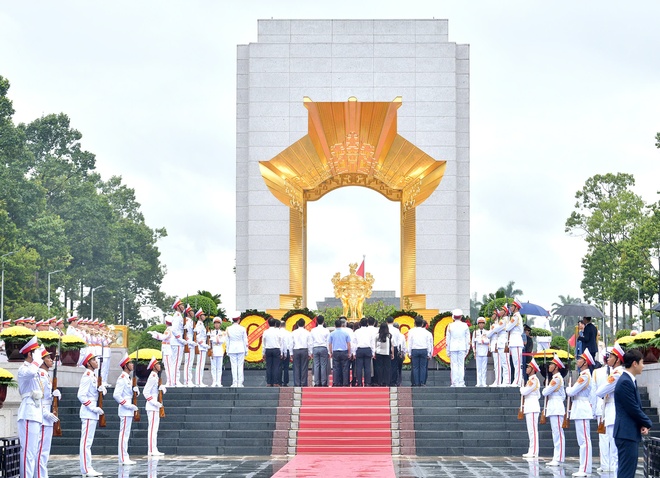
column 345, row 421
column 354, row 466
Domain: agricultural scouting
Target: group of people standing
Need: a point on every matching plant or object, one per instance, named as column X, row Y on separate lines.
column 608, row 394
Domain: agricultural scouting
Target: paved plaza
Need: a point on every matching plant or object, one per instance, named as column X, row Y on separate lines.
column 258, row 467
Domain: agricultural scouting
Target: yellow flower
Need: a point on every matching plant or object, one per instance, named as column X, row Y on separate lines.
column 550, row 353
column 72, row 339
column 644, row 336
column 146, row 354
column 47, row 335
column 16, row 331
column 626, row 340
column 5, row 374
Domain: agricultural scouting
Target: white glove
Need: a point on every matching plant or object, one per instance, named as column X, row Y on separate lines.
column 57, row 393
column 152, row 333
column 102, row 389
column 97, row 410
column 158, row 404
column 136, row 390
column 163, row 389
column 133, row 408
column 192, row 344
column 37, row 394
column 51, row 417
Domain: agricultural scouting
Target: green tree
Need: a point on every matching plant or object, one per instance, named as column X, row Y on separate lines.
column 509, row 291
column 559, row 323
column 606, row 215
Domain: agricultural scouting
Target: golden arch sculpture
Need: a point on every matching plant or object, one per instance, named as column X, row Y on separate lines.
column 351, row 143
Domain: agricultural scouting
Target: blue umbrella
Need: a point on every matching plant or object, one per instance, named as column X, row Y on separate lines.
column 656, row 307
column 533, row 309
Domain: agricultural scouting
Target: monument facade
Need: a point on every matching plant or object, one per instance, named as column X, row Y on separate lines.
column 323, row 104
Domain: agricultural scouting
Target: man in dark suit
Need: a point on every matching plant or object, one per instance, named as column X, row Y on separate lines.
column 589, row 339
column 630, row 422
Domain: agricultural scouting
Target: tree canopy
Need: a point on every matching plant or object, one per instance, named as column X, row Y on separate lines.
column 58, row 215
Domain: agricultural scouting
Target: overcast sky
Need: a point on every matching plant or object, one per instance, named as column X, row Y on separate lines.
column 560, row 91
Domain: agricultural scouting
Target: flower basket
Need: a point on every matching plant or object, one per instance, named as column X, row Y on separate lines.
column 141, row 363
column 50, row 340
column 70, row 357
column 6, row 380
column 15, row 337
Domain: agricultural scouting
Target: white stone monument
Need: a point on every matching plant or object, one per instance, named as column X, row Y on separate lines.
column 332, row 61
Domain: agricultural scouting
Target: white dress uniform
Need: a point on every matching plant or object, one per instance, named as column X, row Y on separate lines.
column 189, row 358
column 531, row 393
column 458, row 344
column 515, row 330
column 152, row 408
column 502, row 356
column 200, row 338
column 609, row 461
column 581, row 414
column 218, row 339
column 123, row 395
column 480, row 343
column 166, row 351
column 497, row 369
column 237, row 348
column 88, row 395
column 177, row 343
column 106, row 353
column 554, row 412
column 49, row 420
column 30, row 418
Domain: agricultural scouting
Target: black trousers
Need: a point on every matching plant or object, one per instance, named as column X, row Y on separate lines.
column 362, row 366
column 628, row 451
column 272, row 366
column 383, row 370
column 340, row 368
column 284, row 369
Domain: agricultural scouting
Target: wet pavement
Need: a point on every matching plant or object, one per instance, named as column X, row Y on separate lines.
column 347, row 465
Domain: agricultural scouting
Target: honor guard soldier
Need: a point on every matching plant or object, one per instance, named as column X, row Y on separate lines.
column 153, row 406
column 166, row 351
column 30, row 412
column 609, row 458
column 177, row 343
column 218, row 338
column 49, row 418
column 202, row 347
column 189, row 357
column 515, row 331
column 458, row 345
column 582, row 411
column 480, row 343
column 123, row 395
column 531, row 408
column 492, row 348
column 88, row 394
column 237, row 348
column 555, row 410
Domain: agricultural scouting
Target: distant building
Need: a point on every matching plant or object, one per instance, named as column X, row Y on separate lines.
column 387, row 297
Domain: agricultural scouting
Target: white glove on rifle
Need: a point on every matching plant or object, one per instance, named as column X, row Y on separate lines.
column 57, row 393
column 163, row 389
column 102, row 389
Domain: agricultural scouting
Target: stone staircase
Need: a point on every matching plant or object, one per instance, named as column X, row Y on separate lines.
column 483, row 422
column 209, row 421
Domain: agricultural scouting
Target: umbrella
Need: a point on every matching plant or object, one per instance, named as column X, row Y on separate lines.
column 656, row 307
column 533, row 309
column 578, row 310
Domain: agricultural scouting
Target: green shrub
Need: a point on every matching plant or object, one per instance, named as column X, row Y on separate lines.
column 538, row 332
column 559, row 343
column 145, row 341
column 622, row 333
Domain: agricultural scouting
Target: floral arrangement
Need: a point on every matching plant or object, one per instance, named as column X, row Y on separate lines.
column 548, row 355
column 17, row 333
column 145, row 355
column 626, row 341
column 6, row 378
column 71, row 342
column 48, row 338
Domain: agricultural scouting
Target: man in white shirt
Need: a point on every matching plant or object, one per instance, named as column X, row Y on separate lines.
column 365, row 341
column 419, row 352
column 319, row 337
column 458, row 344
column 480, row 343
column 177, row 343
column 302, row 352
column 272, row 352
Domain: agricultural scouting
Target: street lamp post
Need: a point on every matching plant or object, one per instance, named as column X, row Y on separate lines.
column 2, row 294
column 123, row 317
column 93, row 289
column 49, row 274
column 634, row 284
